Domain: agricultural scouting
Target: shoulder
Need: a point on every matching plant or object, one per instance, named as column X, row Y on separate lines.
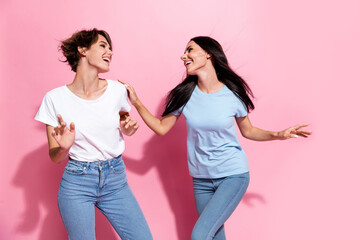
column 116, row 89
column 56, row 92
column 231, row 94
column 116, row 85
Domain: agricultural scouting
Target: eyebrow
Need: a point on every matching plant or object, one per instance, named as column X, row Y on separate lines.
column 106, row 43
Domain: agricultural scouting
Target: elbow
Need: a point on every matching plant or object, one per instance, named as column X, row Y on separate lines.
column 160, row 133
column 246, row 134
column 54, row 158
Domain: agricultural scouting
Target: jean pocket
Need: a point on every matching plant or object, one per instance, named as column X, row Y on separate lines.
column 75, row 168
column 118, row 167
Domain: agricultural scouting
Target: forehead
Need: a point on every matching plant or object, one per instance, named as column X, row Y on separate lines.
column 101, row 38
column 191, row 43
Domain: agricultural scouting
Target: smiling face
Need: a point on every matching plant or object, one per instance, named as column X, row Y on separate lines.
column 98, row 55
column 195, row 58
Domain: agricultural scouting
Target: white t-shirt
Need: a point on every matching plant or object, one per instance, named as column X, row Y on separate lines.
column 97, row 122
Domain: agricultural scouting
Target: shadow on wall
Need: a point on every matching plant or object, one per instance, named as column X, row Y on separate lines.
column 40, row 178
column 167, row 154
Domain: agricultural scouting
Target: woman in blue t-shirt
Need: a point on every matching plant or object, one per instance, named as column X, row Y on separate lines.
column 211, row 97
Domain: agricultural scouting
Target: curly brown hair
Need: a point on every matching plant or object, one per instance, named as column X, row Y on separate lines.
column 83, row 38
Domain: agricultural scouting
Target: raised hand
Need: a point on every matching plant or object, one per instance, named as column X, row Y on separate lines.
column 294, row 132
column 128, row 126
column 64, row 136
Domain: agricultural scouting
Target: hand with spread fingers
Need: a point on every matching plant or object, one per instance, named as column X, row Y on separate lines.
column 295, row 132
column 131, row 93
column 128, row 125
column 63, row 135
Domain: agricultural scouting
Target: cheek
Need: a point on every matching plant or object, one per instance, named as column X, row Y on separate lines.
column 200, row 55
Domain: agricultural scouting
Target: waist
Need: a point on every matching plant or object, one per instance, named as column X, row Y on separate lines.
column 97, row 164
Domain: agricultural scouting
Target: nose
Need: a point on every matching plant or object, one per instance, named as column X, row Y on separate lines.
column 183, row 57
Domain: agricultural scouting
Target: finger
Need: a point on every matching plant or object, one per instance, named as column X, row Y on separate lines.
column 62, row 127
column 294, row 136
column 132, row 123
column 127, row 125
column 56, row 130
column 72, row 127
column 304, row 131
column 125, row 84
column 60, row 119
column 53, row 133
column 301, row 126
column 302, row 135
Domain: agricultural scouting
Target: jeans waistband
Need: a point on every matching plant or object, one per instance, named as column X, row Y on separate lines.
column 97, row 164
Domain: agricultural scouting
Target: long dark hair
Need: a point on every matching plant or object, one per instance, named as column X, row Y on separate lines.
column 181, row 94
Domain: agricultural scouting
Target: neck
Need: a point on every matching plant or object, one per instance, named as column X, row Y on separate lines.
column 86, row 81
column 208, row 81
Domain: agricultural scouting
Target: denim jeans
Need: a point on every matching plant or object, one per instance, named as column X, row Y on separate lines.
column 216, row 200
column 102, row 184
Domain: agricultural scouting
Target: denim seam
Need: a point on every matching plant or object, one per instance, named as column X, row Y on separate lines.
column 223, row 210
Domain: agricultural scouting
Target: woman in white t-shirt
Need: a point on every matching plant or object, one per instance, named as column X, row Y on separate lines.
column 212, row 98
column 85, row 121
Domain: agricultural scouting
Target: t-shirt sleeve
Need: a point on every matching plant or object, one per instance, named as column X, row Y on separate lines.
column 125, row 106
column 178, row 111
column 46, row 113
column 240, row 110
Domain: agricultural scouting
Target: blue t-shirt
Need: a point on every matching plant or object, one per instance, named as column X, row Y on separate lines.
column 213, row 149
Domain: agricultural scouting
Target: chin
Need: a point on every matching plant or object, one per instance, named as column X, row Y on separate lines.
column 190, row 72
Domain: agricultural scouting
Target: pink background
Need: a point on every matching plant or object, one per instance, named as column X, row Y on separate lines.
column 301, row 58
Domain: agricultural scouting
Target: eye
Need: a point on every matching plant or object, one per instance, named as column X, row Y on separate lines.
column 102, row 45
column 189, row 50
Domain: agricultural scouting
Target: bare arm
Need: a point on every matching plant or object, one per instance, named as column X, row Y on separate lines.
column 60, row 139
column 250, row 132
column 159, row 126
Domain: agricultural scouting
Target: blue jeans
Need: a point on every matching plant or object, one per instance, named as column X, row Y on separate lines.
column 102, row 184
column 216, row 200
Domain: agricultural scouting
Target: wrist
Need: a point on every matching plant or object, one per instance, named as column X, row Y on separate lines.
column 137, row 104
column 276, row 135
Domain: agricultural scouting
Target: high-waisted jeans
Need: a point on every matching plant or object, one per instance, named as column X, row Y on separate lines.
column 216, row 200
column 102, row 184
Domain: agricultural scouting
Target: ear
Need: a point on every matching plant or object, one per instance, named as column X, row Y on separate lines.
column 82, row 51
column 208, row 55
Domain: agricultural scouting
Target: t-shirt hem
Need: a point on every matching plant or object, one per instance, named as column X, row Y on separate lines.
column 221, row 175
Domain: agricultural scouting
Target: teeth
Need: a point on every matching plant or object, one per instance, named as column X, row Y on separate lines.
column 106, row 59
column 187, row 63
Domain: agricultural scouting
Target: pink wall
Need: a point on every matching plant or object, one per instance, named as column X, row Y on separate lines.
column 301, row 59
